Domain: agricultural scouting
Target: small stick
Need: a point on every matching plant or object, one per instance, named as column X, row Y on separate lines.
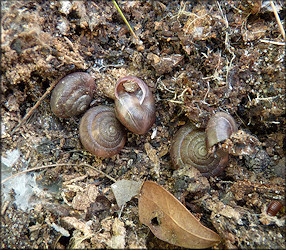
column 278, row 20
column 272, row 42
column 99, row 171
column 30, row 170
column 34, row 107
column 57, row 165
column 122, row 15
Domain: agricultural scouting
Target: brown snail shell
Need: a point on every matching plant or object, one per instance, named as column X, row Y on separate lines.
column 189, row 148
column 72, row 95
column 135, row 110
column 101, row 133
column 273, row 208
column 219, row 128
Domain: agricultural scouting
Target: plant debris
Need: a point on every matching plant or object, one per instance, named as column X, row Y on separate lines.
column 197, row 58
column 125, row 190
column 170, row 221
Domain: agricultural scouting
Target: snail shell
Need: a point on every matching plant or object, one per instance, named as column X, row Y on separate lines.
column 101, row 133
column 189, row 148
column 219, row 128
column 135, row 110
column 273, row 208
column 72, row 95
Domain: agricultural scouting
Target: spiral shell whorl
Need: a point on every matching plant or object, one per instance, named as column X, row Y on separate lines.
column 72, row 95
column 189, row 148
column 135, row 110
column 101, row 133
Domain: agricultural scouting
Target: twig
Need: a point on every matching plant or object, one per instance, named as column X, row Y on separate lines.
column 174, row 101
column 204, row 101
column 99, row 171
column 278, row 20
column 33, row 108
column 30, row 170
column 240, row 119
column 122, row 15
column 57, row 165
column 272, row 42
column 121, row 210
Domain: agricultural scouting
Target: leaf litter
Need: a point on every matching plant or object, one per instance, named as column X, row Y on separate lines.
column 170, row 220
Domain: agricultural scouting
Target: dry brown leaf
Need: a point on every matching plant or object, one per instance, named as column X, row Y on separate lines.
column 84, row 199
column 170, row 221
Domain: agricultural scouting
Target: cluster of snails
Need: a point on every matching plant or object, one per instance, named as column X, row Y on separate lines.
column 101, row 131
column 191, row 146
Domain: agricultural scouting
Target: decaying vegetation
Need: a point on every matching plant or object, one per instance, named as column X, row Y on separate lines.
column 198, row 57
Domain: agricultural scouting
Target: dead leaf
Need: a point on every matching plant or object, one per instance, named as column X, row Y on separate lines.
column 77, row 224
column 170, row 221
column 125, row 190
column 83, row 199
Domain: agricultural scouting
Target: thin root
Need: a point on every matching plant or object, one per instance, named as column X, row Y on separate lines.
column 57, row 165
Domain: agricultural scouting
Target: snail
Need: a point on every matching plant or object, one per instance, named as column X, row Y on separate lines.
column 219, row 128
column 273, row 208
column 101, row 133
column 72, row 95
column 135, row 110
column 189, row 148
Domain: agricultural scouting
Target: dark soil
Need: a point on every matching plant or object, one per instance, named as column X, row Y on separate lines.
column 197, row 57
